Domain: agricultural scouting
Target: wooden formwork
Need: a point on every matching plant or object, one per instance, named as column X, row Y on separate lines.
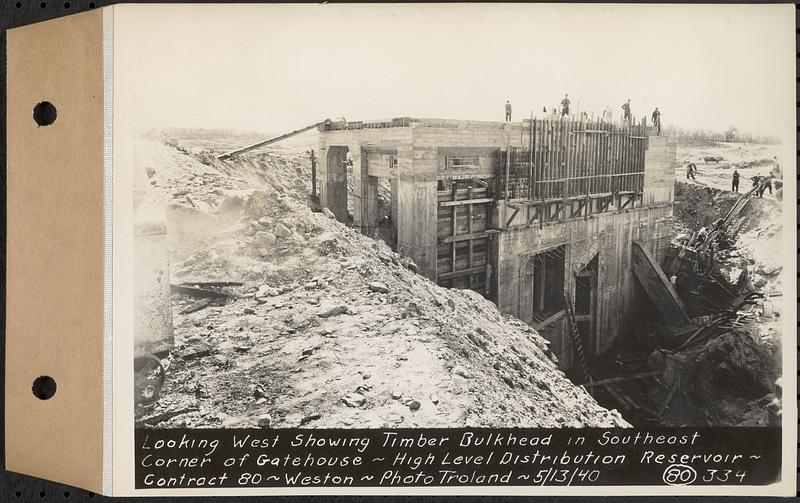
column 463, row 235
column 573, row 168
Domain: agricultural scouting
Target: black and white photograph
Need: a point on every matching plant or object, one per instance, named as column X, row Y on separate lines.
column 407, row 222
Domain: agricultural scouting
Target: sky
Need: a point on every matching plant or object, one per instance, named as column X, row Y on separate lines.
column 276, row 68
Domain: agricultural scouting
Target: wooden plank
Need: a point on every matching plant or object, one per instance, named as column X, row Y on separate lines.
column 462, row 273
column 271, row 140
column 465, row 237
column 462, row 202
column 550, row 319
column 657, row 286
column 633, row 377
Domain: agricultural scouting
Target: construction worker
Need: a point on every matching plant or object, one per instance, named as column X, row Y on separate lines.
column 626, row 111
column 767, row 184
column 702, row 234
column 508, row 111
column 735, row 181
column 776, row 171
column 691, row 169
column 607, row 114
column 565, row 106
column 657, row 120
column 760, row 185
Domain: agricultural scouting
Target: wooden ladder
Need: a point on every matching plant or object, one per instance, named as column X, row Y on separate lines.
column 577, row 344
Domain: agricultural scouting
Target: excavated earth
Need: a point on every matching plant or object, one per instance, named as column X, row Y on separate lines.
column 329, row 328
column 732, row 379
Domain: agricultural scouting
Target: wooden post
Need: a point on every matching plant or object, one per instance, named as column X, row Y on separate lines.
column 508, row 161
column 540, row 286
column 530, row 157
column 469, row 231
column 313, row 176
column 455, row 229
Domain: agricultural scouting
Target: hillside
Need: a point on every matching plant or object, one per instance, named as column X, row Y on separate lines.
column 328, row 327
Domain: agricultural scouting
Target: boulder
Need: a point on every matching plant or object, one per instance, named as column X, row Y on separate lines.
column 263, row 239
column 461, row 371
column 378, row 287
column 354, row 399
column 282, row 231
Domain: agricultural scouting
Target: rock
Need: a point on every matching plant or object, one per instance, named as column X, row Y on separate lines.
column 282, row 231
column 261, row 401
column 434, row 399
column 265, row 222
column 263, row 240
column 309, row 418
column 461, row 371
column 333, row 311
column 197, row 351
column 310, row 285
column 414, row 405
column 265, row 421
column 249, row 310
column 393, row 418
column 366, row 376
column 378, row 287
column 222, row 361
column 397, row 395
column 354, row 399
column 307, row 351
column 451, row 303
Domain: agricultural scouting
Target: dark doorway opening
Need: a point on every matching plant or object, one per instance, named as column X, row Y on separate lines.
column 548, row 283
column 337, row 164
column 586, row 305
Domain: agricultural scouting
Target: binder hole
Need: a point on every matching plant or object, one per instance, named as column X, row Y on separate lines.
column 44, row 113
column 66, row 5
column 91, row 5
column 42, row 494
column 18, row 494
column 43, row 5
column 19, row 5
column 44, row 387
column 66, row 494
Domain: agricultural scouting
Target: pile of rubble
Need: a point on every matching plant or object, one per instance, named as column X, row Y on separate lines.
column 315, row 325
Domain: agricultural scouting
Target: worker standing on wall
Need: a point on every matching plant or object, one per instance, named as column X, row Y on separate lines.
column 508, row 111
column 565, row 106
column 626, row 111
column 690, row 171
column 657, row 120
column 735, row 181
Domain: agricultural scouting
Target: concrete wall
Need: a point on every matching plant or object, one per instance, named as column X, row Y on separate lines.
column 419, row 149
column 356, row 140
column 659, row 177
column 607, row 235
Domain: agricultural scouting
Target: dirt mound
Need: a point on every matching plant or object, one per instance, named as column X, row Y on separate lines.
column 330, row 328
column 717, row 383
column 699, row 206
